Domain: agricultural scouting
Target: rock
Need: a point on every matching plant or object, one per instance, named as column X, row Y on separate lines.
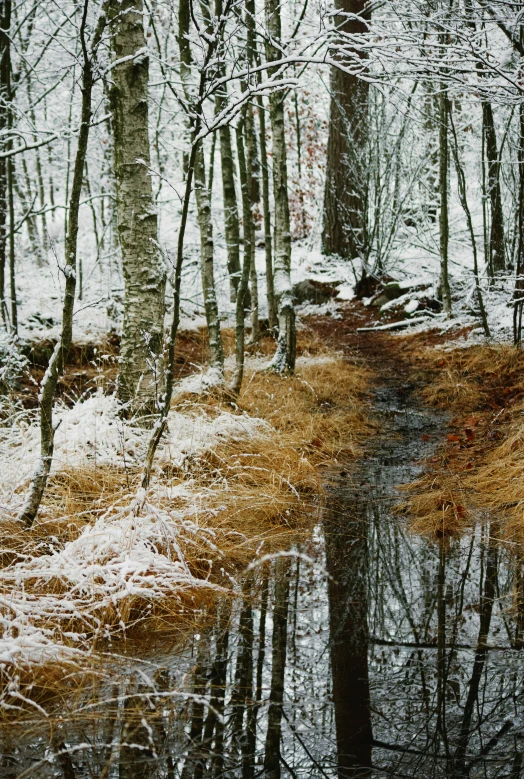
column 429, row 304
column 379, row 300
column 313, row 291
column 391, row 291
column 369, row 285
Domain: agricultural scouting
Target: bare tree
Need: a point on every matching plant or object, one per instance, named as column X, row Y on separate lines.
column 59, row 357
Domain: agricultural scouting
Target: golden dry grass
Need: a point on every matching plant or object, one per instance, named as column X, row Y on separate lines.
column 319, row 410
column 472, row 474
column 498, row 483
column 474, row 378
column 437, row 506
column 257, row 496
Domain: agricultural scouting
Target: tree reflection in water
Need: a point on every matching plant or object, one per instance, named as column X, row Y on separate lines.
column 402, row 659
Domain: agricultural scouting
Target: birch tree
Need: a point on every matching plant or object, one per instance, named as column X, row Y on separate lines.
column 141, row 357
column 285, row 356
column 203, row 204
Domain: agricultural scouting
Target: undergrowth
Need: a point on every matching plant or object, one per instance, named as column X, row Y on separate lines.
column 478, row 472
column 105, row 562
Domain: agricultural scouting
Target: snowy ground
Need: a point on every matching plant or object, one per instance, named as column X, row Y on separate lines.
column 101, row 310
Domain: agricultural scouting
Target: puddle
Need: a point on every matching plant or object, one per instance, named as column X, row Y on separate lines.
column 403, row 660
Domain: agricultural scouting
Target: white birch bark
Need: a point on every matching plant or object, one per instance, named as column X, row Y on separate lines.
column 141, row 361
column 284, row 359
column 216, row 353
column 203, row 206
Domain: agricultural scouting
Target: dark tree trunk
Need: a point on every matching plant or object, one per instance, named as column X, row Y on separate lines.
column 278, row 669
column 344, row 229
column 445, row 292
column 497, row 259
column 5, row 66
column 231, row 222
column 347, row 563
column 489, row 594
column 59, row 357
column 519, row 281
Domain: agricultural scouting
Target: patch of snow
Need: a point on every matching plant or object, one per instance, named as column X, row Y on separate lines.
column 331, row 308
column 411, row 306
column 346, row 292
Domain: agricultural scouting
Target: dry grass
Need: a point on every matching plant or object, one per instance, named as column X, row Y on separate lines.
column 473, row 379
column 437, row 506
column 319, row 410
column 246, row 497
column 498, row 483
column 473, row 473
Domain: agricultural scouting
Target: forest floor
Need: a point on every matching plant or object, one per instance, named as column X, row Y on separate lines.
column 234, row 486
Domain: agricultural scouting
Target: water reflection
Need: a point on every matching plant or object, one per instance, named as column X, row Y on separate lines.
column 403, row 660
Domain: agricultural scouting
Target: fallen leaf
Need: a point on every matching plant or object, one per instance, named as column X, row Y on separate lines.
column 425, row 437
column 452, row 437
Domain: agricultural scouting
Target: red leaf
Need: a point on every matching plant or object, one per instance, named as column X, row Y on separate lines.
column 470, row 435
column 452, row 437
column 425, row 437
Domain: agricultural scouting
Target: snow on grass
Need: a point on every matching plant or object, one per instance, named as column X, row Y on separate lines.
column 134, row 556
column 92, row 432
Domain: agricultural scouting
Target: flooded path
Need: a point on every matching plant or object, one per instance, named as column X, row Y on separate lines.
column 365, row 652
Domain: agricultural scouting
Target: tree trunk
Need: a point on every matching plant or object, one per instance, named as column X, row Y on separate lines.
column 278, row 668
column 497, row 257
column 5, row 65
column 344, row 229
column 284, row 359
column 238, row 373
column 461, row 180
column 10, row 194
column 270, row 290
column 12, row 273
column 231, row 223
column 203, row 205
column 216, row 353
column 141, row 361
column 489, row 594
column 445, row 291
column 519, row 280
column 347, row 562
column 249, row 226
column 241, row 694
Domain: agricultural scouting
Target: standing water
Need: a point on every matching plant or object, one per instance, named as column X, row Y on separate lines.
column 364, row 652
